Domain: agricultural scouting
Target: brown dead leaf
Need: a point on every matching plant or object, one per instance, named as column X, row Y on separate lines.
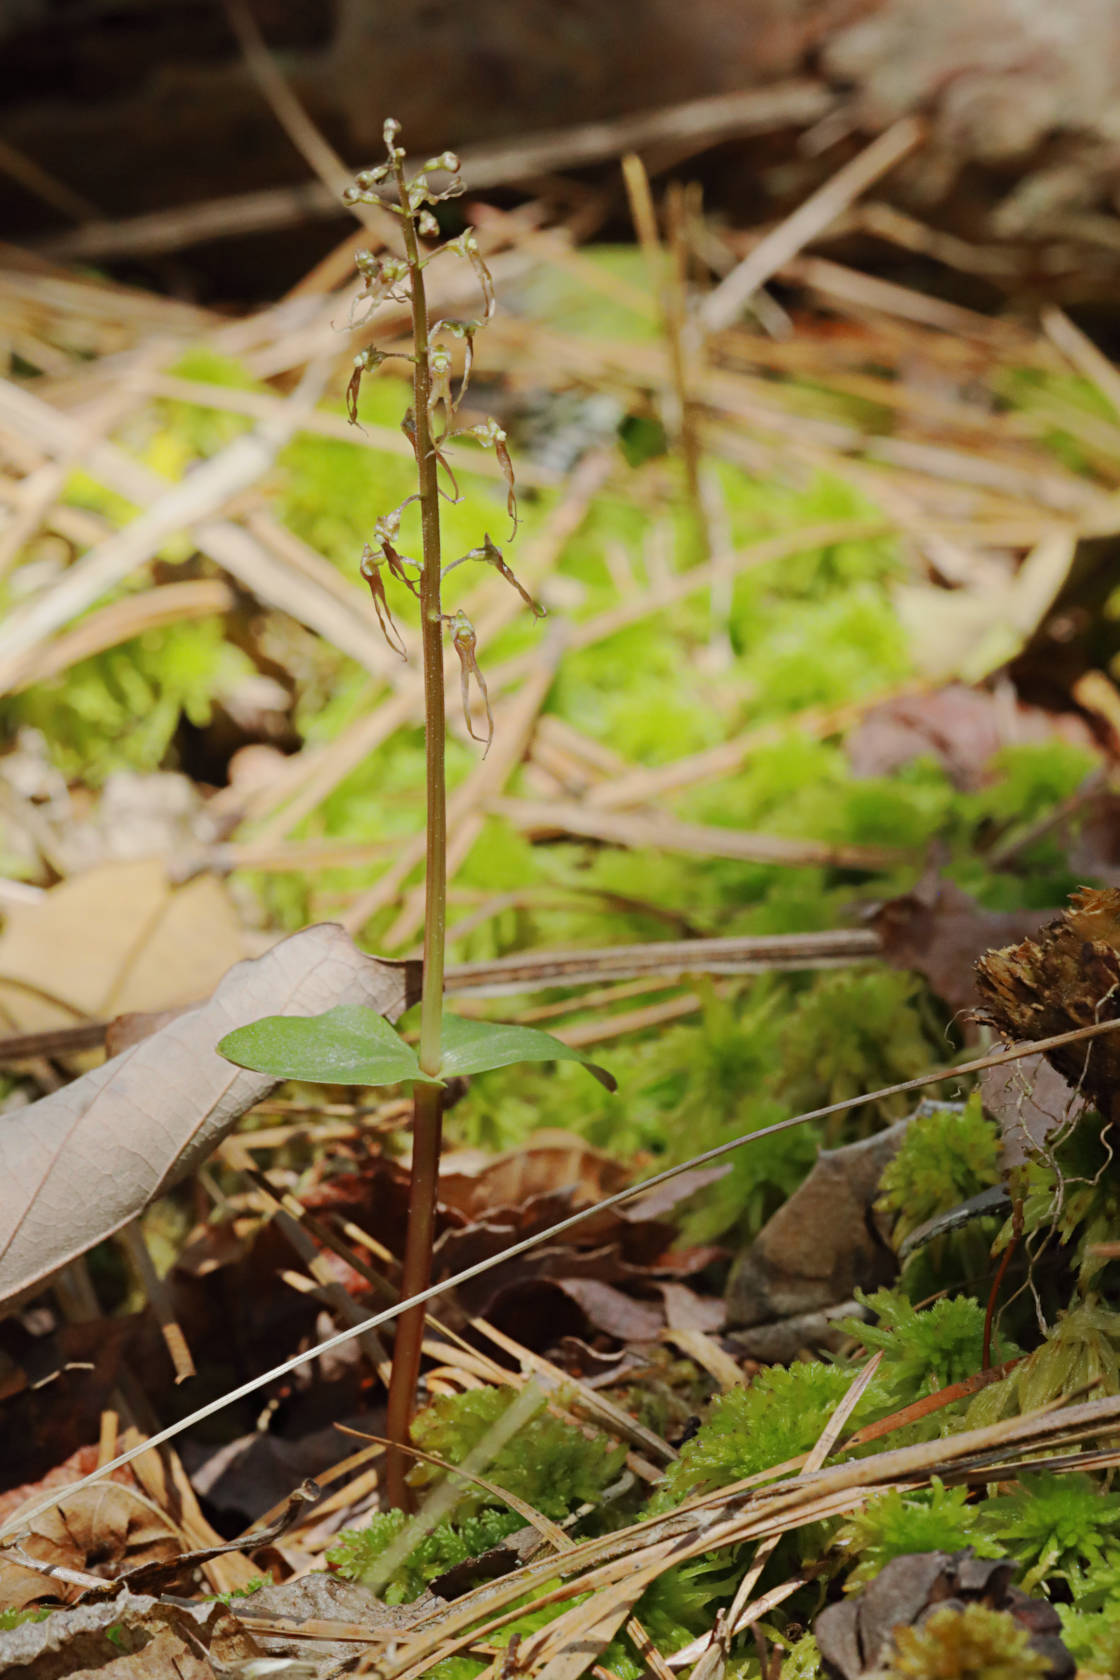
column 475, row 1182
column 57, row 1386
column 320, row 1597
column 116, row 938
column 615, row 1314
column 1092, row 836
column 105, row 1530
column 1067, row 976
column 939, row 931
column 822, row 1241
column 856, row 1636
column 166, row 1656
column 656, row 1203
column 84, row 1160
column 92, row 1639
column 685, row 1310
column 961, row 727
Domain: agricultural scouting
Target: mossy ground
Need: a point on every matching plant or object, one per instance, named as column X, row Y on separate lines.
column 818, row 628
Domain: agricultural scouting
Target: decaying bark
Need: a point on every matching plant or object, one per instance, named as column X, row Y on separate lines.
column 1066, row 976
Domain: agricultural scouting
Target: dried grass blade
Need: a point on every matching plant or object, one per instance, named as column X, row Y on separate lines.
column 666, row 834
column 738, row 1615
column 186, row 505
column 547, row 1529
column 170, row 603
column 810, row 219
column 159, row 1299
column 566, row 1647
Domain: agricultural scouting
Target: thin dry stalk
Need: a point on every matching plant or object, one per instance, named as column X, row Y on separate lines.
column 742, row 1612
column 192, row 503
column 295, row 1223
column 305, row 136
column 682, row 1536
column 714, row 763
column 665, row 834
column 170, row 603
column 808, row 221
column 1082, row 353
column 159, row 1298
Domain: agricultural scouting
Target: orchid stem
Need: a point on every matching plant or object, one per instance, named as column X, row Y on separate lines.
column 428, row 1099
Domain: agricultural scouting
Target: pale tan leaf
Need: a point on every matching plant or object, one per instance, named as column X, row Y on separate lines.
column 84, row 1160
column 115, row 938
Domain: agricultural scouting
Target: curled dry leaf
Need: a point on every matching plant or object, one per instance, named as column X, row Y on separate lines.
column 1030, row 1101
column 962, row 728
column 610, row 1311
column 104, row 1530
column 83, row 1161
column 475, row 1182
column 132, row 1635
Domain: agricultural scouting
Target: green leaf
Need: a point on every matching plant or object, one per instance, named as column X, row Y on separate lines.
column 478, row 1046
column 352, row 1045
column 348, row 1045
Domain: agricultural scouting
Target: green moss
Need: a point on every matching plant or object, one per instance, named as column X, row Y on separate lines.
column 1079, row 1353
column 1093, row 1636
column 970, row 1644
column 570, row 301
column 856, row 650
column 121, row 708
column 894, row 1524
column 357, row 1551
column 855, row 1030
column 946, row 1156
column 803, row 1660
column 253, row 1585
column 550, row 1464
column 779, row 1416
column 923, row 1351
column 457, row 1668
column 1073, row 1192
column 674, row 1610
column 1057, row 1527
column 15, row 1618
column 1028, row 780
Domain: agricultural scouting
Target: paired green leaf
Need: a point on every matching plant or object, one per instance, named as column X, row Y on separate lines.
column 352, row 1045
column 478, row 1046
column 348, row 1045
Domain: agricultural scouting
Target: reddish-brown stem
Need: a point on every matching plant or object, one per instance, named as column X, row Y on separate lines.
column 997, row 1284
column 428, row 1123
column 415, row 1277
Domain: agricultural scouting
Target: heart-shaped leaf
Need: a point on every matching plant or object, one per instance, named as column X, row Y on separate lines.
column 478, row 1046
column 349, row 1045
